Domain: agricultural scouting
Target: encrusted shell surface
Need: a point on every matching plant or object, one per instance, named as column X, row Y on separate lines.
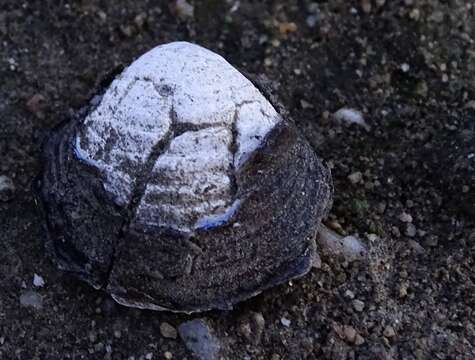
column 181, row 187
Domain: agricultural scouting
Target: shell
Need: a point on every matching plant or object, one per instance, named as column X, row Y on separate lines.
column 181, row 187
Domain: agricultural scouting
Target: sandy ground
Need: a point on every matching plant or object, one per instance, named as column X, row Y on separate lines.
column 404, row 183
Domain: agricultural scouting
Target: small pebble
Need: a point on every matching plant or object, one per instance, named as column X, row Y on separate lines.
column 199, row 338
column 351, row 116
column 389, row 332
column 437, row 16
column 350, row 333
column 36, row 105
column 372, row 238
column 258, row 325
column 38, row 281
column 415, row 14
column 416, row 247
column 411, row 230
column 405, row 217
column 7, row 188
column 287, row 27
column 252, row 327
column 140, row 20
column 366, row 6
column 349, row 294
column 286, row 322
column 168, row 331
column 403, row 290
column 470, row 105
column 311, row 21
column 359, row 340
column 127, row 30
column 184, row 9
column 245, row 330
column 31, row 299
column 358, row 305
column 168, row 355
column 268, row 62
column 313, row 7
column 305, row 104
column 405, row 67
column 381, row 208
column 355, row 177
column 92, row 337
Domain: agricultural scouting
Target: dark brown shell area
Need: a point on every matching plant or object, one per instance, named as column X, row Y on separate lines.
column 284, row 192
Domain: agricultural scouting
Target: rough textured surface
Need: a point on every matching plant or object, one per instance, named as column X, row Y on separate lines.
column 192, row 197
column 338, row 56
column 82, row 221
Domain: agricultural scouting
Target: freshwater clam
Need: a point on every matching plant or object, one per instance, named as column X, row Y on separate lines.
column 182, row 188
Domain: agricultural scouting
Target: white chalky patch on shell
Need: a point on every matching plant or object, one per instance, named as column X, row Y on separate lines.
column 177, row 85
column 123, row 129
column 191, row 180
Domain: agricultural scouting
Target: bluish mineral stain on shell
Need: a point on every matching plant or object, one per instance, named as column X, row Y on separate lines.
column 211, row 221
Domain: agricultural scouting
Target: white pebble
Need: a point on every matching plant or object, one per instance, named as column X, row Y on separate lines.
column 350, row 247
column 405, row 217
column 184, row 9
column 355, row 177
column 351, row 116
column 38, row 280
column 6, row 184
column 284, row 321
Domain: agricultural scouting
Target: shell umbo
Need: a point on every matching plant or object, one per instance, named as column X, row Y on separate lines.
column 182, row 188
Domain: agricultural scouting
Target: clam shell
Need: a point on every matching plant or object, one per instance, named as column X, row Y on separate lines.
column 183, row 188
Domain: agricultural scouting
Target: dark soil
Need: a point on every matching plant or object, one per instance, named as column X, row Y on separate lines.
column 409, row 66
